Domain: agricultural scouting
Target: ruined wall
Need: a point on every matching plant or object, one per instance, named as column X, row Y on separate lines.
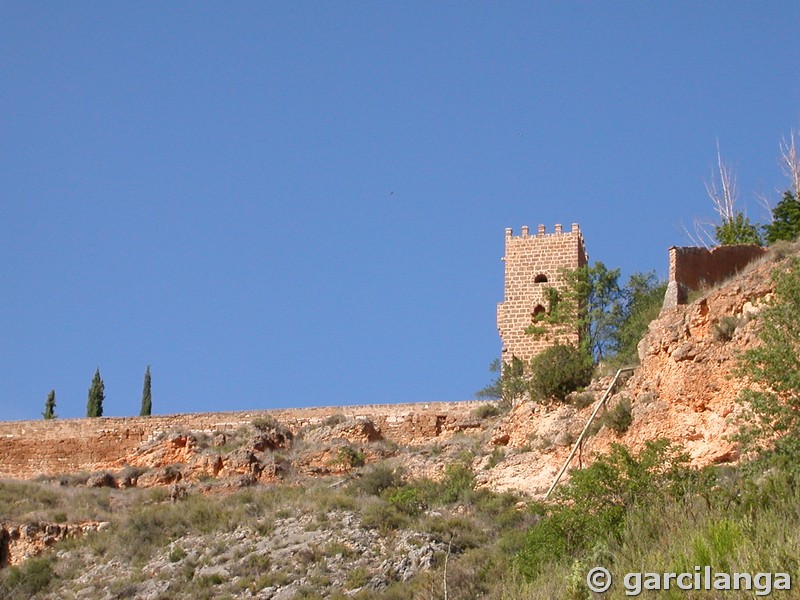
column 21, row 542
column 59, row 446
column 692, row 268
column 532, row 263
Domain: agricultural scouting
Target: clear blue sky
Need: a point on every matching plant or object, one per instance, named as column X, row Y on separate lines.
column 282, row 204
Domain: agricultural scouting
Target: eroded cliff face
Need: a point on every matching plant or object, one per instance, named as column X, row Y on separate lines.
column 684, row 389
column 243, row 447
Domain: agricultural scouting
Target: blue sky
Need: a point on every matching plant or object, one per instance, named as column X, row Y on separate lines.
column 303, row 203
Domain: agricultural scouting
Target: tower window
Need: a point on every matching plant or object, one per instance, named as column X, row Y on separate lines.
column 538, row 313
column 540, row 278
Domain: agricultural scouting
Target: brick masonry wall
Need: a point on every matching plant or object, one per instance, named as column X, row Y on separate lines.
column 61, row 446
column 691, row 268
column 526, row 257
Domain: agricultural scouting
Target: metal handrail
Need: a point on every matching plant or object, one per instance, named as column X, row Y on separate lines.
column 600, row 403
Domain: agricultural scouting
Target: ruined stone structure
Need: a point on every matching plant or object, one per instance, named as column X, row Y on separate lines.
column 693, row 268
column 533, row 264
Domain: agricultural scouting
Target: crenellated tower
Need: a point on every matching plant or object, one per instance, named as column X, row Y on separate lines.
column 534, row 263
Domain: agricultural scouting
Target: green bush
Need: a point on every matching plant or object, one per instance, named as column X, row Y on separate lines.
column 334, row 420
column 487, row 411
column 619, row 418
column 378, row 478
column 266, row 423
column 509, row 385
column 495, row 458
column 408, row 500
column 724, row 329
column 456, row 485
column 26, row 580
column 350, row 457
column 177, row 554
column 381, row 515
column 771, row 420
column 593, row 506
column 461, row 532
column 583, row 400
column 559, row 370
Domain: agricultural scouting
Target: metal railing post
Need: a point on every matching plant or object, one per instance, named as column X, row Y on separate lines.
column 600, row 403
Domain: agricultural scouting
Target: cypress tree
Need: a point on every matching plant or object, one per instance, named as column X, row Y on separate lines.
column 50, row 406
column 147, row 400
column 94, row 405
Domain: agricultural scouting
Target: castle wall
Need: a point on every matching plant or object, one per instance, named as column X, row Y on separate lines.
column 528, row 258
column 692, row 268
column 59, row 446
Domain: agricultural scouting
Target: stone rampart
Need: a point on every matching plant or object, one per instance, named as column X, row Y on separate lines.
column 60, row 446
column 693, row 268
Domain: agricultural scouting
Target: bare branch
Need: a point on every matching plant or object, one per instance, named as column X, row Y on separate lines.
column 701, row 236
column 762, row 199
column 790, row 161
column 723, row 197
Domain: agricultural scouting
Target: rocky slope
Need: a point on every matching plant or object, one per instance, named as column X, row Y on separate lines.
column 684, row 389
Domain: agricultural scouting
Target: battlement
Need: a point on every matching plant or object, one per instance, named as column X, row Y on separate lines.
column 542, row 232
column 535, row 262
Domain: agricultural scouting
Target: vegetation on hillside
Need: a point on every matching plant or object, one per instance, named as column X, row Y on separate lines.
column 613, row 317
column 336, row 538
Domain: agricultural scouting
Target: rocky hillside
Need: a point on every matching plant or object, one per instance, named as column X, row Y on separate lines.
column 684, row 388
column 317, row 465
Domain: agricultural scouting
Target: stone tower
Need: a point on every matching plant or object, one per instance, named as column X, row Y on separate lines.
column 532, row 265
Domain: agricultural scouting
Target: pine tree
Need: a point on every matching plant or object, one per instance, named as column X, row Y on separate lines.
column 147, row 400
column 94, row 405
column 786, row 220
column 50, row 406
column 737, row 230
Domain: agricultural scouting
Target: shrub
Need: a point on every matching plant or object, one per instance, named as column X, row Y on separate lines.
column 357, row 578
column 497, row 455
column 266, row 423
column 619, row 418
column 177, row 554
column 381, row 515
column 781, row 249
column 509, row 385
column 559, row 370
column 379, row 478
column 459, row 531
column 28, row 579
column 350, row 457
column 583, row 399
column 595, row 503
column 334, row 420
column 456, row 485
column 772, row 410
column 487, row 411
column 408, row 500
column 725, row 328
